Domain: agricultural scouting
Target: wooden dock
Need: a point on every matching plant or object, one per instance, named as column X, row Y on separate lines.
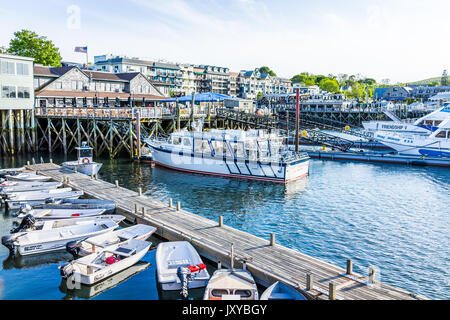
column 266, row 260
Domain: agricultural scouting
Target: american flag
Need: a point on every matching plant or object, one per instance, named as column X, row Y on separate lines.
column 81, row 49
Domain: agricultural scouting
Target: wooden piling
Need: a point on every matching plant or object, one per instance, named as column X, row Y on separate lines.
column 140, row 192
column 272, row 239
column 178, row 206
column 170, row 203
column 349, row 267
column 309, row 281
column 117, row 183
column 332, row 291
column 220, row 221
column 371, row 275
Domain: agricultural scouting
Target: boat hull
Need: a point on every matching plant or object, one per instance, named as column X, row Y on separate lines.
column 87, row 168
column 232, row 168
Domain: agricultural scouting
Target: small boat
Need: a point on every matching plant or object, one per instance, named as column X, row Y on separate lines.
column 281, row 291
column 31, row 242
column 11, row 171
column 29, row 223
column 85, row 163
column 38, row 186
column 231, row 284
column 27, row 176
column 88, row 292
column 94, row 244
column 108, row 205
column 234, row 284
column 10, row 183
column 106, row 262
column 52, row 214
column 37, row 194
column 179, row 266
column 41, row 198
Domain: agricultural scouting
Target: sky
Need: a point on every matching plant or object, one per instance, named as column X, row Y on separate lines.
column 400, row 40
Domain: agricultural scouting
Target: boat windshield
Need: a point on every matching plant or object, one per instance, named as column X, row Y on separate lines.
column 85, row 153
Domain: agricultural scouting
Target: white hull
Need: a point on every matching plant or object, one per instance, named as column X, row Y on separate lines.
column 50, row 214
column 27, row 177
column 392, row 126
column 87, row 168
column 415, row 145
column 274, row 172
column 39, row 186
column 17, row 204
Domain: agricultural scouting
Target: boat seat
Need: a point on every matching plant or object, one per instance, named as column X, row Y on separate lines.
column 65, row 233
column 123, row 251
column 172, row 264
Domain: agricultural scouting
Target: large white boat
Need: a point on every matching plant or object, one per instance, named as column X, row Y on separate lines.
column 422, row 126
column 254, row 154
column 435, row 144
column 85, row 163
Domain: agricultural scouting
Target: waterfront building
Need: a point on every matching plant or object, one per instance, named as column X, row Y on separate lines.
column 393, row 93
column 16, row 101
column 216, row 79
column 253, row 82
column 188, row 79
column 239, row 104
column 61, row 86
column 234, row 84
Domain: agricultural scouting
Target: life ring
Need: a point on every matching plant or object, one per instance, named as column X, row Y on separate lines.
column 85, row 160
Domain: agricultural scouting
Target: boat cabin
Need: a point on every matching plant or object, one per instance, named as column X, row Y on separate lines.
column 84, row 154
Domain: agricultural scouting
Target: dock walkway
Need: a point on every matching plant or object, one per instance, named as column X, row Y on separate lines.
column 266, row 260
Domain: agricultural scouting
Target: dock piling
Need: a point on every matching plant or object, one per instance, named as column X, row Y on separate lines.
column 135, row 208
column 371, row 275
column 143, row 211
column 117, row 183
column 178, row 206
column 309, row 281
column 220, row 221
column 332, row 290
column 140, row 192
column 272, row 239
column 349, row 266
column 170, row 203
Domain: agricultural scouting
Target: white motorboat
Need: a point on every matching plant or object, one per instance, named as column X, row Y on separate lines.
column 436, row 144
column 41, row 198
column 179, row 266
column 85, row 163
column 16, row 183
column 51, row 214
column 28, row 223
column 108, row 205
column 233, row 284
column 32, row 242
column 11, row 171
column 281, row 291
column 38, row 186
column 94, row 244
column 37, row 194
column 106, row 262
column 253, row 154
column 28, row 176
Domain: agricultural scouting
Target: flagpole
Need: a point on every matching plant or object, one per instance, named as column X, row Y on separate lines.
column 87, row 59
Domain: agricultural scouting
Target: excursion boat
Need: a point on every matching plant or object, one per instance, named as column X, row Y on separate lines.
column 27, row 176
column 435, row 144
column 37, row 198
column 80, row 204
column 422, row 126
column 254, row 154
column 52, row 214
column 85, row 163
column 32, row 242
column 29, row 223
column 34, row 186
column 106, row 262
column 179, row 266
column 94, row 244
column 281, row 291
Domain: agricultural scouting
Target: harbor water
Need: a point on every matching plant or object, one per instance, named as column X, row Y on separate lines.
column 392, row 217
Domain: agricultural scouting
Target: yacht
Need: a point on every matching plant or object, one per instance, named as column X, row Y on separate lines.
column 85, row 163
column 435, row 144
column 422, row 126
column 254, row 154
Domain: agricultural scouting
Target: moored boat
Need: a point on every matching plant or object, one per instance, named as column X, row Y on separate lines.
column 27, row 176
column 106, row 262
column 281, row 291
column 233, row 284
column 35, row 186
column 32, row 242
column 179, row 266
column 51, row 214
column 85, row 162
column 41, row 198
column 94, row 244
column 80, row 204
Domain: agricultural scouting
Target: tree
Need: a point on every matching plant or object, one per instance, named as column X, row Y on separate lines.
column 305, row 78
column 267, row 70
column 259, row 95
column 3, row 49
column 27, row 43
column 329, row 85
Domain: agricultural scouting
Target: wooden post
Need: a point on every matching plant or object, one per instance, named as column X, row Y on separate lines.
column 297, row 115
column 309, row 281
column 170, row 203
column 272, row 239
column 135, row 208
column 220, row 221
column 140, row 192
column 75, row 169
column 92, row 175
column 64, row 136
column 138, row 133
column 332, row 291
column 371, row 275
column 178, row 206
column 51, row 160
column 117, row 183
column 349, row 266
column 96, row 176
column 143, row 211
column 11, row 131
column 28, row 163
column 219, row 264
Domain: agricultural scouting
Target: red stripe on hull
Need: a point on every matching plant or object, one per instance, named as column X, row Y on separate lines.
column 229, row 175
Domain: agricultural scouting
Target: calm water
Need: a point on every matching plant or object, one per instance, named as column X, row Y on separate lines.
column 392, row 217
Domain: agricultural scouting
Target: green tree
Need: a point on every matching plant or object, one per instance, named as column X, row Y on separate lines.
column 329, row 85
column 259, row 95
column 267, row 70
column 3, row 49
column 27, row 43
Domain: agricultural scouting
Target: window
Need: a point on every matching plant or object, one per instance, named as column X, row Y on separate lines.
column 108, row 86
column 442, row 134
column 22, row 69
column 80, row 85
column 8, row 92
column 74, row 85
column 7, row 67
column 58, row 85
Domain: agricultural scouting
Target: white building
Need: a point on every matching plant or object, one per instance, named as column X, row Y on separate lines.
column 253, row 82
column 16, row 83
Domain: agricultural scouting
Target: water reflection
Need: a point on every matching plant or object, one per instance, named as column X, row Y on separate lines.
column 31, row 261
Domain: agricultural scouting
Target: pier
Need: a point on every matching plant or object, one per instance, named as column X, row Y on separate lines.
column 264, row 258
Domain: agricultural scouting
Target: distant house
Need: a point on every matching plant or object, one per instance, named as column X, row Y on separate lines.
column 393, row 93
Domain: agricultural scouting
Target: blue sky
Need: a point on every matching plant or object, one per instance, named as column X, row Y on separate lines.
column 396, row 39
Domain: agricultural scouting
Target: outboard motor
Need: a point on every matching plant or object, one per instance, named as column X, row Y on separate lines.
column 66, row 270
column 28, row 222
column 25, row 208
column 49, row 200
column 74, row 247
column 7, row 241
column 184, row 274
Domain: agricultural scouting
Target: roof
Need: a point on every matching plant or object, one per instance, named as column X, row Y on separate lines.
column 92, row 94
column 379, row 92
column 11, row 56
column 96, row 75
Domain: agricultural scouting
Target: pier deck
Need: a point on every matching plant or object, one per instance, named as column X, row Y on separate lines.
column 266, row 260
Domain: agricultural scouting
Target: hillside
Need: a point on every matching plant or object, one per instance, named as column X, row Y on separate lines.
column 427, row 81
